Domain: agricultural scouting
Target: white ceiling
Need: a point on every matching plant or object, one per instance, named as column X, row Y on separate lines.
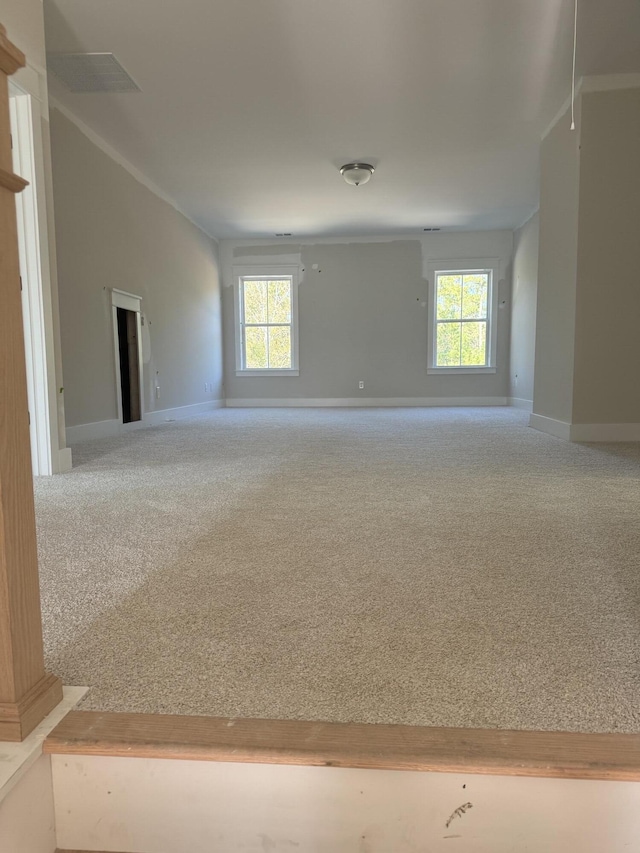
column 249, row 107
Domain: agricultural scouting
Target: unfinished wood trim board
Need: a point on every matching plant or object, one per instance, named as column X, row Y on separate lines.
column 11, row 58
column 18, row 719
column 385, row 747
column 11, row 182
column 27, row 693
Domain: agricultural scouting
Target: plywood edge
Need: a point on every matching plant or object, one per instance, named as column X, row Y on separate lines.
column 565, row 755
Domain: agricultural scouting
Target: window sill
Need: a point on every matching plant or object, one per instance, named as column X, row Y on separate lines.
column 461, row 369
column 268, row 372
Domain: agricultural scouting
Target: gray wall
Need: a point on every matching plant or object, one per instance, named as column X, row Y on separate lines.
column 363, row 316
column 588, row 309
column 114, row 232
column 557, row 267
column 24, row 22
column 523, row 309
column 607, row 359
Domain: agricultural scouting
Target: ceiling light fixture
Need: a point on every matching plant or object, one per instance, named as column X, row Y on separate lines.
column 357, row 173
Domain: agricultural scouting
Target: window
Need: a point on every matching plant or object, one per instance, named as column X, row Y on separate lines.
column 462, row 312
column 267, row 323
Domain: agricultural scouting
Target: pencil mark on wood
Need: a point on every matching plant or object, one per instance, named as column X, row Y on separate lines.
column 461, row 810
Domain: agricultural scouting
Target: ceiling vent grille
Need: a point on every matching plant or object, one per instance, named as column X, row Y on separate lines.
column 91, row 72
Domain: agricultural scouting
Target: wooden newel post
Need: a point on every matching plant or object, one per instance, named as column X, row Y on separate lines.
column 27, row 693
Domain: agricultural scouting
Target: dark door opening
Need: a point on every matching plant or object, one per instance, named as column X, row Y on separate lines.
column 129, row 365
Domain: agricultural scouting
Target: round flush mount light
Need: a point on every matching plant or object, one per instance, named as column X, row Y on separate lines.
column 357, row 173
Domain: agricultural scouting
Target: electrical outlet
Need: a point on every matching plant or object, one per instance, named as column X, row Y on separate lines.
column 157, row 392
column 361, row 385
column 206, row 386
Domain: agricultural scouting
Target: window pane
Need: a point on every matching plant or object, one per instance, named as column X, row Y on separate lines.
column 448, row 345
column 255, row 347
column 449, row 299
column 279, row 302
column 255, row 301
column 279, row 346
column 474, row 343
column 474, row 296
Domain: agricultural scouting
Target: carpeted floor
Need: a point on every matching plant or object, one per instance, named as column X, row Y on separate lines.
column 421, row 566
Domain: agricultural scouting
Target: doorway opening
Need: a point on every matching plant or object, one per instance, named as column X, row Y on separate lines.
column 128, row 351
column 127, row 341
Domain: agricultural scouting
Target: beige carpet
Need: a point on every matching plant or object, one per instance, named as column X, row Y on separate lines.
column 423, row 566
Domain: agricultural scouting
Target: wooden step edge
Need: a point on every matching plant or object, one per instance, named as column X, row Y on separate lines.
column 566, row 755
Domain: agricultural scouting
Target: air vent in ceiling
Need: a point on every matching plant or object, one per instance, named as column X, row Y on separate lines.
column 91, row 72
column 284, row 234
column 430, row 229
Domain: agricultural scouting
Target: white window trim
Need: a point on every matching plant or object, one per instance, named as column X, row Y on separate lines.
column 266, row 271
column 493, row 267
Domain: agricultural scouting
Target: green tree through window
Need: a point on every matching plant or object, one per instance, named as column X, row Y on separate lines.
column 461, row 319
column 266, row 305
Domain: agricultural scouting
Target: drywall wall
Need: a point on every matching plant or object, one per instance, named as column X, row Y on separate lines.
column 173, row 806
column 588, row 307
column 363, row 317
column 113, row 232
column 557, row 267
column 24, row 23
column 524, row 295
column 65, row 461
column 608, row 295
column 27, row 819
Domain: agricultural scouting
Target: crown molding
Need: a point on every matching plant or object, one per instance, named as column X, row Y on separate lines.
column 611, row 82
column 528, row 219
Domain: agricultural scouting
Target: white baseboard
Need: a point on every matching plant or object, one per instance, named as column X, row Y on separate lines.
column 520, row 403
column 108, row 429
column 605, row 432
column 98, row 429
column 585, row 432
column 164, row 415
column 361, row 402
column 560, row 429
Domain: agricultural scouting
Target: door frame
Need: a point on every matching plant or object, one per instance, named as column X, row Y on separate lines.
column 130, row 302
column 37, row 307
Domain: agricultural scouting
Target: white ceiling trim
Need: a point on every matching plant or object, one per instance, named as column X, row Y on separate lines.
column 562, row 111
column 32, row 80
column 111, row 152
column 527, row 220
column 595, row 83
